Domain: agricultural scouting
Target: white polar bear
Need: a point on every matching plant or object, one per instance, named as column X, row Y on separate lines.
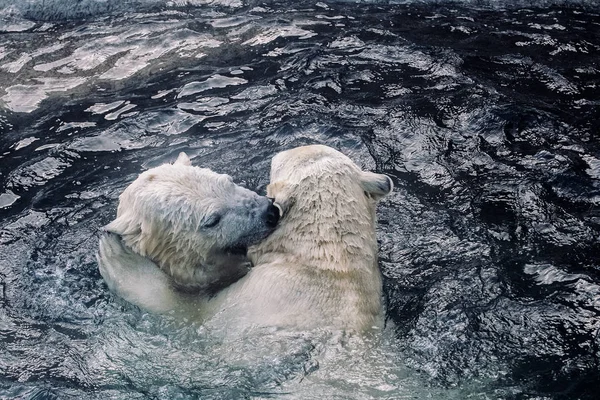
column 195, row 224
column 318, row 269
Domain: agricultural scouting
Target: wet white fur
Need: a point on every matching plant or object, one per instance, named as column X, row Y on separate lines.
column 319, row 267
column 163, row 216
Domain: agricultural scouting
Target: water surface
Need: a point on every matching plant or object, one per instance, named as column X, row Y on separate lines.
column 485, row 116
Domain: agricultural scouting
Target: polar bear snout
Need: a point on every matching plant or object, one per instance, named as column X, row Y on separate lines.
column 249, row 221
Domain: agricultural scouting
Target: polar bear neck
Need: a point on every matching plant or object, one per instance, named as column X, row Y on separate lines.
column 326, row 230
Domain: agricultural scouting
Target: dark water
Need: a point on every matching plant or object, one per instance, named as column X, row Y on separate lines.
column 486, row 118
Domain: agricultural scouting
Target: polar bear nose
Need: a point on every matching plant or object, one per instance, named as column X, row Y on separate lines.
column 272, row 215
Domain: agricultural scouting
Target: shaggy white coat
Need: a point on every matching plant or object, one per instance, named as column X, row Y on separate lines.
column 317, row 270
column 193, row 223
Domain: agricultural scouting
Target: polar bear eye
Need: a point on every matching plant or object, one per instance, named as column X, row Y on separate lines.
column 212, row 221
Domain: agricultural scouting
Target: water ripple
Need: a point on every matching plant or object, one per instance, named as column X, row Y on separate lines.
column 485, row 117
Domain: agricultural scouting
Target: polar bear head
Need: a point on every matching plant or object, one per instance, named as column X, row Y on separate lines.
column 194, row 223
column 323, row 171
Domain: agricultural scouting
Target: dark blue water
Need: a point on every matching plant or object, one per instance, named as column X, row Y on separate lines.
column 485, row 114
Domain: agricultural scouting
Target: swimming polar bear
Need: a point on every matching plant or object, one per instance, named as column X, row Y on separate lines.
column 318, row 269
column 195, row 224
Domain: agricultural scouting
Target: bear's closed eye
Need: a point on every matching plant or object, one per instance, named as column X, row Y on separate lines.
column 212, row 221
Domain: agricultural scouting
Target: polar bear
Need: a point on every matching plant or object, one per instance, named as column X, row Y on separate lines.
column 318, row 269
column 193, row 223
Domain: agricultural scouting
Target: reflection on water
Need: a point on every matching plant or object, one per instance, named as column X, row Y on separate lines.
column 486, row 118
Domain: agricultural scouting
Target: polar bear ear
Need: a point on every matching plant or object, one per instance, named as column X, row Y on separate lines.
column 376, row 185
column 183, row 159
column 280, row 192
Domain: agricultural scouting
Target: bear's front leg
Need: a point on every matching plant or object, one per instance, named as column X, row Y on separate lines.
column 139, row 281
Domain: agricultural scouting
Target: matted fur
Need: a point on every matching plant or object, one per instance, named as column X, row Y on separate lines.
column 317, row 269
